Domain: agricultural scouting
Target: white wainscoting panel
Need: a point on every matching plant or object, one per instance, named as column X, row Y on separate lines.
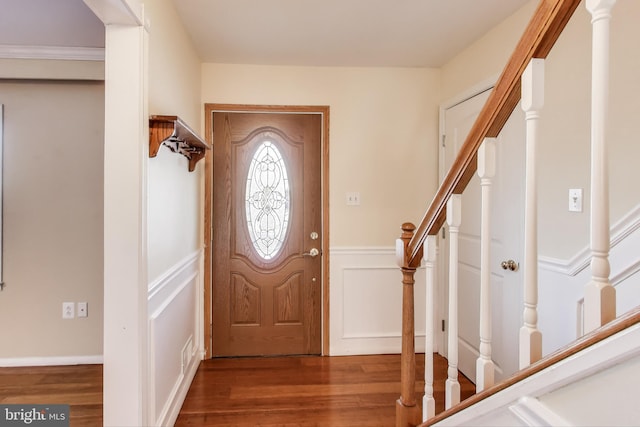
column 366, row 302
column 175, row 307
column 562, row 282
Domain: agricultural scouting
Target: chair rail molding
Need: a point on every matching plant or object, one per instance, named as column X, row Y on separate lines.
column 621, row 230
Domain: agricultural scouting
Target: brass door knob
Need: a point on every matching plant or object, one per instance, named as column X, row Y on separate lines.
column 509, row 265
column 312, row 253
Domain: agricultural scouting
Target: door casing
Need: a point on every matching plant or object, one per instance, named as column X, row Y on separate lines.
column 208, row 208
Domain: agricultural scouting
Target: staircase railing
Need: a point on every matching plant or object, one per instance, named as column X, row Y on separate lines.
column 521, row 78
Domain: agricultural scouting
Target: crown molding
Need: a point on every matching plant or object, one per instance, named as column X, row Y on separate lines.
column 52, row 52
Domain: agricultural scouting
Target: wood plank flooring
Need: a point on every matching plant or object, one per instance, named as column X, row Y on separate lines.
column 281, row 391
column 304, row 391
column 80, row 386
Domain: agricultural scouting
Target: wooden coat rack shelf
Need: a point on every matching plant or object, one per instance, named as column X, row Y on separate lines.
column 175, row 134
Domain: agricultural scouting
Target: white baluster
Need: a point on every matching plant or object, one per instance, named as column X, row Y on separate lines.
column 532, row 101
column 486, row 171
column 454, row 218
column 428, row 402
column 600, row 295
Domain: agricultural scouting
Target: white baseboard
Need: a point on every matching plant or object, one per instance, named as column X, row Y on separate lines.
column 51, row 361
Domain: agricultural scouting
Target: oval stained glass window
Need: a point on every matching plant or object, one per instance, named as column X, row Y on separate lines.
column 267, row 200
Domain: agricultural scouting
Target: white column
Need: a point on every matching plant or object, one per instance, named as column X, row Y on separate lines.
column 454, row 218
column 125, row 385
column 532, row 101
column 600, row 295
column 485, row 367
column 428, row 402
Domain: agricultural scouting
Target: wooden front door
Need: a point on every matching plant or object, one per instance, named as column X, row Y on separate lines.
column 267, row 220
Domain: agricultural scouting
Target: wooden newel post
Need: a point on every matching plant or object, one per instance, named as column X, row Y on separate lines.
column 407, row 411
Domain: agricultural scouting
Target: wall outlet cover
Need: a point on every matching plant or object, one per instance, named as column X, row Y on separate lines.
column 68, row 310
column 83, row 309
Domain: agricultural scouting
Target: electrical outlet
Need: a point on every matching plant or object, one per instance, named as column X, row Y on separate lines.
column 353, row 199
column 82, row 309
column 68, row 310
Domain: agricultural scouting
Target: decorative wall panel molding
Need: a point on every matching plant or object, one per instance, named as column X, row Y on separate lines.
column 366, row 302
column 562, row 282
column 175, row 327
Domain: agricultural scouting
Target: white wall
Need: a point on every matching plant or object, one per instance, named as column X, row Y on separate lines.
column 53, row 160
column 580, row 406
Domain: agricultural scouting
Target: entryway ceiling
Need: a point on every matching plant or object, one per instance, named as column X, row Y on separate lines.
column 406, row 33
column 409, row 33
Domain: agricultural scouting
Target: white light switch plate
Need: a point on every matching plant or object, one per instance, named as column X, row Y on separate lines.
column 575, row 200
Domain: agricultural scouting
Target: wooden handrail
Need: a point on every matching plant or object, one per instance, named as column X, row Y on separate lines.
column 543, row 30
column 623, row 322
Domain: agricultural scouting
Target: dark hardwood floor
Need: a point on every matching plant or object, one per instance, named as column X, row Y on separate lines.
column 79, row 386
column 304, row 391
column 279, row 391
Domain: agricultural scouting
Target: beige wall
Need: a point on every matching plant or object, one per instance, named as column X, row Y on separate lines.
column 53, row 210
column 51, row 69
column 174, row 210
column 383, row 134
column 487, row 56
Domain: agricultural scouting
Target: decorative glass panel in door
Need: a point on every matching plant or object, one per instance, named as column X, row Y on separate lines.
column 267, row 200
